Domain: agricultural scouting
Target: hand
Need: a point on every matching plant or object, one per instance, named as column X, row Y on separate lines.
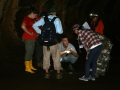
column 71, row 50
column 31, row 33
column 86, row 57
column 37, row 35
column 67, row 51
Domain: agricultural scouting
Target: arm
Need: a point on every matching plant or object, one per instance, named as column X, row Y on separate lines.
column 87, row 51
column 37, row 24
column 83, row 40
column 101, row 27
column 62, row 53
column 74, row 53
column 58, row 26
column 23, row 26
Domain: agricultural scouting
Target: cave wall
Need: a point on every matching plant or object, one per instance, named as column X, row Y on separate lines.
column 70, row 11
column 77, row 11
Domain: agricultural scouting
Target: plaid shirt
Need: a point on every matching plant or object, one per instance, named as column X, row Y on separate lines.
column 88, row 39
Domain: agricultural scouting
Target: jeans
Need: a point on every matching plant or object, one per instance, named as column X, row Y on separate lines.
column 92, row 59
column 69, row 58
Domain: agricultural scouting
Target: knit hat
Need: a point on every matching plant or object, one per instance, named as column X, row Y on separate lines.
column 76, row 27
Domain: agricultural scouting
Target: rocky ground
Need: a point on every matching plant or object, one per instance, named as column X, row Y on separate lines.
column 13, row 77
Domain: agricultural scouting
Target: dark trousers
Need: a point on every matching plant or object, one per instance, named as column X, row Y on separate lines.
column 92, row 59
column 38, row 52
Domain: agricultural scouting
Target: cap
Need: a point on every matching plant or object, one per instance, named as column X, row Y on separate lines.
column 52, row 9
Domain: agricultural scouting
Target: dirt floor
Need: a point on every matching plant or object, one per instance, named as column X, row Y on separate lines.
column 13, row 77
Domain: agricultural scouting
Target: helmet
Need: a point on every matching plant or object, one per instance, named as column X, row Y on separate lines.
column 93, row 15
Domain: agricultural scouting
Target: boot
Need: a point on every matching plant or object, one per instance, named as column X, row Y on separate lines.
column 27, row 67
column 71, row 67
column 31, row 67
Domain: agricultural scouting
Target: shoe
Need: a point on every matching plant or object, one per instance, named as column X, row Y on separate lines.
column 71, row 67
column 58, row 76
column 62, row 69
column 70, row 72
column 47, row 76
column 91, row 78
column 83, row 78
column 40, row 65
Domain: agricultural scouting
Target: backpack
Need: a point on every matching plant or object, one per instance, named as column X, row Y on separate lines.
column 48, row 35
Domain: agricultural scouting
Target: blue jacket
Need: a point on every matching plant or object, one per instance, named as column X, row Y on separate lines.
column 41, row 22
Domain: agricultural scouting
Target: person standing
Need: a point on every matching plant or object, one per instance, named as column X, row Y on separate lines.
column 29, row 36
column 97, row 23
column 38, row 47
column 93, row 47
column 54, row 49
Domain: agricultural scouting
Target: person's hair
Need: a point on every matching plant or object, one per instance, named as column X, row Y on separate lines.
column 43, row 13
column 64, row 36
column 32, row 10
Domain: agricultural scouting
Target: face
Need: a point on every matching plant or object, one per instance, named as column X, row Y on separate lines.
column 76, row 31
column 95, row 19
column 33, row 15
column 53, row 13
column 65, row 42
